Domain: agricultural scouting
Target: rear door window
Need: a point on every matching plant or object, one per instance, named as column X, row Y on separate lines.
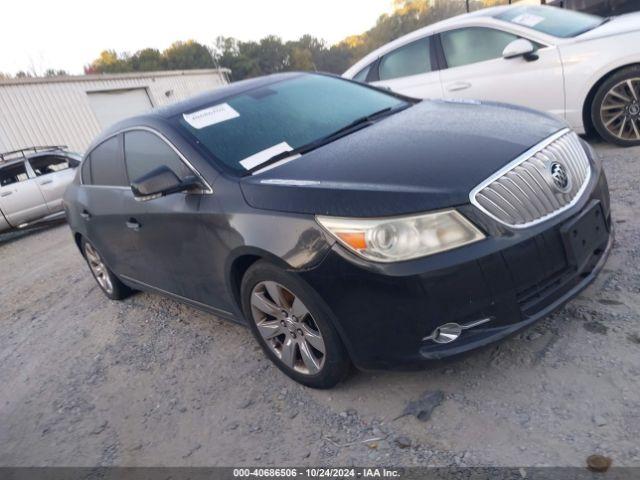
column 51, row 164
column 13, row 174
column 107, row 164
column 412, row 59
column 145, row 151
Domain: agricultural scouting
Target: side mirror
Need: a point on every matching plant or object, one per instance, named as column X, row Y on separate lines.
column 159, row 182
column 520, row 48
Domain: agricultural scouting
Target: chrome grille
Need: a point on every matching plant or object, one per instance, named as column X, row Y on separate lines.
column 541, row 183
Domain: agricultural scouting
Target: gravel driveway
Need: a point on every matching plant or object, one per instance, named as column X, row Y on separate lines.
column 86, row 381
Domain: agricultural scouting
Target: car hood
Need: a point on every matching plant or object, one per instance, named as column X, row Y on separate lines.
column 617, row 25
column 427, row 157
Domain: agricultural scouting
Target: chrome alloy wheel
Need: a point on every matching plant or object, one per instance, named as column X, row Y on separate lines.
column 620, row 110
column 287, row 327
column 98, row 268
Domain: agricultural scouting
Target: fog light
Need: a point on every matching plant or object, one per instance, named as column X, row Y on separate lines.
column 446, row 333
column 450, row 332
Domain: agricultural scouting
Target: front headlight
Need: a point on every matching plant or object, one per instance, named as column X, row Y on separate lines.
column 402, row 238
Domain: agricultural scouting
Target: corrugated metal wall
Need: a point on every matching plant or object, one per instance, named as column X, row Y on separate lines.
column 57, row 110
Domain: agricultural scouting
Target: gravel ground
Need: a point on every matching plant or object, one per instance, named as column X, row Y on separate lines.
column 150, row 382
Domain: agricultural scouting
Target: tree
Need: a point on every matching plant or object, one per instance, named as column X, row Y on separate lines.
column 239, row 57
column 50, row 72
column 273, row 55
column 109, row 62
column 147, row 60
column 307, row 53
column 187, row 55
column 300, row 59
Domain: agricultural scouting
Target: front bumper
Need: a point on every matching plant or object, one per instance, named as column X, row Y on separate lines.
column 383, row 312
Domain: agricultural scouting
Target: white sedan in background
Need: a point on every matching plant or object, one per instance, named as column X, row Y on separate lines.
column 583, row 68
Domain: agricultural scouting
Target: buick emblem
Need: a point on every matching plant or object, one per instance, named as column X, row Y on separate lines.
column 560, row 177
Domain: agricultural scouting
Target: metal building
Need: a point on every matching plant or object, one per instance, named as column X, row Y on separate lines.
column 73, row 110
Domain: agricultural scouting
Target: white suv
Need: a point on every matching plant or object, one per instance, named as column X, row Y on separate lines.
column 32, row 183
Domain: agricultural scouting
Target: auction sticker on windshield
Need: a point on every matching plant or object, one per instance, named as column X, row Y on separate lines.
column 264, row 155
column 211, row 115
column 528, row 19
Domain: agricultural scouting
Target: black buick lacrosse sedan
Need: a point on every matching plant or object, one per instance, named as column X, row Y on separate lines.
column 344, row 224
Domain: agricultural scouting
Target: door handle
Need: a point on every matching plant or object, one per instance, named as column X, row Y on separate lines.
column 84, row 214
column 133, row 224
column 5, row 194
column 455, row 87
column 46, row 182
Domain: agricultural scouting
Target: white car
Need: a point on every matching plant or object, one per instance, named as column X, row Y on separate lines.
column 580, row 67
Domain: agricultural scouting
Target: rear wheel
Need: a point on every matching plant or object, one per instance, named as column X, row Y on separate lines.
column 615, row 110
column 107, row 281
column 293, row 327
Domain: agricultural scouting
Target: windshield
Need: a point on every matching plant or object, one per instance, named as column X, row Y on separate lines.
column 552, row 21
column 248, row 129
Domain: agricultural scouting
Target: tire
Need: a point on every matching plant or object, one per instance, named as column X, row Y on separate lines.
column 110, row 285
column 618, row 120
column 290, row 336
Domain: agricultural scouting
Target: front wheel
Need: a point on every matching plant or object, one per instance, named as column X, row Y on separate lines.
column 615, row 110
column 293, row 327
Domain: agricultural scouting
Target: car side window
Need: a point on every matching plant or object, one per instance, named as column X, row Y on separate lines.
column 51, row 164
column 107, row 164
column 361, row 76
column 412, row 59
column 145, row 151
column 13, row 174
column 474, row 44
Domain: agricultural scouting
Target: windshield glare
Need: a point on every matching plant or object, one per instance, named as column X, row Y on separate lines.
column 285, row 115
column 551, row 20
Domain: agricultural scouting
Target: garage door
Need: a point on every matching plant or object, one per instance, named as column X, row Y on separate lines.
column 114, row 105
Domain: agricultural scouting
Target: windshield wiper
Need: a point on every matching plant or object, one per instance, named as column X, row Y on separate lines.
column 355, row 125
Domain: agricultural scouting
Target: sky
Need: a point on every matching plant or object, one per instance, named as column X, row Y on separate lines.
column 68, row 34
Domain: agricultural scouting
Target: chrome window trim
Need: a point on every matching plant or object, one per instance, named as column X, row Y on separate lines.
column 521, row 159
column 207, row 191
